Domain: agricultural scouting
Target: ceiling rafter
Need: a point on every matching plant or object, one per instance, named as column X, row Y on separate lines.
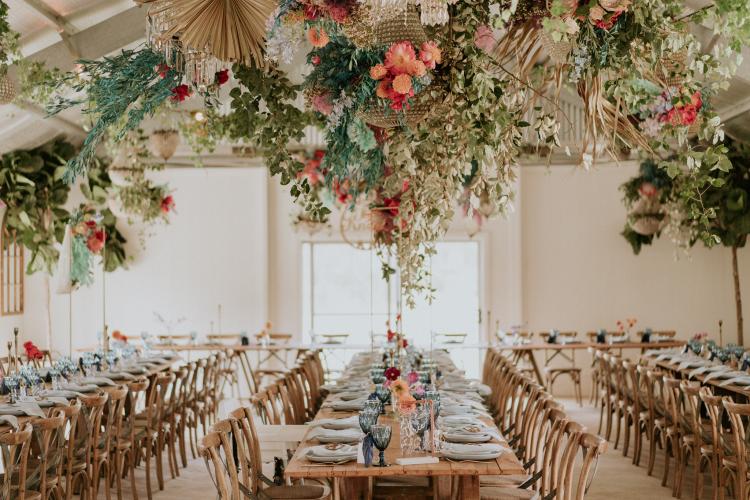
column 63, row 27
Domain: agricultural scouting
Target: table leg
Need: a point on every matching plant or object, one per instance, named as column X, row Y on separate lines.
column 441, row 487
column 535, row 366
column 469, row 487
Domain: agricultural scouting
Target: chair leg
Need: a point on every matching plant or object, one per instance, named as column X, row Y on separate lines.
column 181, row 442
column 107, row 481
column 601, row 417
column 159, row 460
column 618, row 416
column 147, row 461
column 131, row 466
column 652, row 449
column 119, row 466
column 667, row 444
column 626, row 434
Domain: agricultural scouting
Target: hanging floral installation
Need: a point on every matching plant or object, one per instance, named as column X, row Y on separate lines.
column 428, row 105
column 314, row 175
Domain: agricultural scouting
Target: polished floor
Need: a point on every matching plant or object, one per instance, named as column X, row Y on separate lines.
column 616, row 477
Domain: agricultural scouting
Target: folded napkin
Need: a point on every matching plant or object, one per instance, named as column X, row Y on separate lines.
column 335, row 435
column 336, row 423
column 69, row 386
column 354, row 405
column 708, row 368
column 100, row 381
column 453, row 420
column 49, row 394
column 725, row 374
column 9, row 420
column 331, row 453
column 744, row 381
column 474, row 451
column 137, row 370
column 52, row 401
column 27, row 409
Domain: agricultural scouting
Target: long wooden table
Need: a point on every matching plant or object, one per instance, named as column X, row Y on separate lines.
column 149, row 373
column 526, row 351
column 737, row 390
column 352, row 480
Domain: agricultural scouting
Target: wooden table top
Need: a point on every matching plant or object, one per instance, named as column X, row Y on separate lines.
column 300, row 467
column 538, row 346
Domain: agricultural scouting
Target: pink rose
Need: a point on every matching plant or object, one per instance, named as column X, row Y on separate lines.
column 484, row 38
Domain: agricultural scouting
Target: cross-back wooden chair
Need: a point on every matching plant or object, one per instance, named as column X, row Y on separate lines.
column 736, row 465
column 122, row 446
column 88, row 431
column 46, row 456
column 149, row 429
column 713, row 453
column 15, row 446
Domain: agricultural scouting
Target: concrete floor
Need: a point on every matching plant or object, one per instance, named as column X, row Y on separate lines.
column 616, row 477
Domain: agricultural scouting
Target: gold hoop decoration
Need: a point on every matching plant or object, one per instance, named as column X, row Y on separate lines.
column 356, row 220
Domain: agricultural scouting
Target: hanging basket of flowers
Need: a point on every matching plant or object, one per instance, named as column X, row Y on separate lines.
column 647, row 217
column 163, row 143
column 405, row 26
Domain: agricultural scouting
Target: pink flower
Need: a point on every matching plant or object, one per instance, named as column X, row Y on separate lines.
column 163, row 69
column 399, row 57
column 484, row 39
column 412, row 377
column 430, row 54
column 338, row 13
column 315, row 60
column 322, row 103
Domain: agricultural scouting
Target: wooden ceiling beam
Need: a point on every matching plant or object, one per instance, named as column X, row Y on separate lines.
column 63, row 27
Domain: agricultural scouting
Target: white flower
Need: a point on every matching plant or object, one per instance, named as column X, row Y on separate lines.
column 586, row 161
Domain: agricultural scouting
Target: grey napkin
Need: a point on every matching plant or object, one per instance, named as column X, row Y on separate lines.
column 78, row 388
column 22, row 409
column 61, row 394
column 9, row 420
column 99, row 381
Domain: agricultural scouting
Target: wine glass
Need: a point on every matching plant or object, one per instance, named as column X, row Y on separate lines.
column 420, row 422
column 111, row 360
column 381, row 437
column 367, row 418
column 54, row 374
column 12, row 382
column 383, row 394
column 373, row 405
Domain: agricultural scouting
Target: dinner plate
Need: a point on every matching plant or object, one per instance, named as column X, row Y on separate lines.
column 340, row 437
column 466, row 437
column 483, row 451
column 331, row 453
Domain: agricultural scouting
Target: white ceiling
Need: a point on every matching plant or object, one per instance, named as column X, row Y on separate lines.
column 61, row 31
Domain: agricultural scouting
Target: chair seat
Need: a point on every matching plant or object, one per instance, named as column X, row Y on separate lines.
column 497, row 493
column 563, row 370
column 507, row 481
column 301, row 492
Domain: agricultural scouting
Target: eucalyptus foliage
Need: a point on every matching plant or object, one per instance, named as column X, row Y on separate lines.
column 119, row 92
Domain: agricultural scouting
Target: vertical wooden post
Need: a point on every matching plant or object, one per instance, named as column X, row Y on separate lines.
column 737, row 296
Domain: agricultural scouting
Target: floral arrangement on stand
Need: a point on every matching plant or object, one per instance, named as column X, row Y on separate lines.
column 88, row 240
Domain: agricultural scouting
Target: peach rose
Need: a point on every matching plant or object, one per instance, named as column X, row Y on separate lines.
column 378, row 71
column 402, row 84
column 318, row 37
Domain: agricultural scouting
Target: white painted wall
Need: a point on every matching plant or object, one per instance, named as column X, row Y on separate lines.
column 213, row 252
column 557, row 262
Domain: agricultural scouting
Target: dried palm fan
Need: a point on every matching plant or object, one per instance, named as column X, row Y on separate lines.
column 604, row 118
column 231, row 30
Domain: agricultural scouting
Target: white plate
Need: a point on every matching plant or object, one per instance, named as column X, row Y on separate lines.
column 323, row 454
column 467, row 437
column 486, row 451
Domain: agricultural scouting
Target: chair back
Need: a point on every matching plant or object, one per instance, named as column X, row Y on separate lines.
column 220, row 465
column 736, row 413
column 48, row 448
column 15, row 446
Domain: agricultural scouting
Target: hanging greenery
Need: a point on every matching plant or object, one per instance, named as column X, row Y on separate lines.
column 34, row 194
column 725, row 196
column 119, row 92
column 8, row 40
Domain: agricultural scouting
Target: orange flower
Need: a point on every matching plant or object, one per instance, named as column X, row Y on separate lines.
column 400, row 389
column 402, row 84
column 430, row 54
column 317, row 37
column 417, row 68
column 399, row 57
column 384, row 89
column 378, row 71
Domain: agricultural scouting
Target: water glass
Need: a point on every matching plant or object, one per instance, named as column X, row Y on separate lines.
column 383, row 394
column 381, row 437
column 367, row 418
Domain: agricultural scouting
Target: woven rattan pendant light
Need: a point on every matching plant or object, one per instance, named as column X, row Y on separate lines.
column 230, row 30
